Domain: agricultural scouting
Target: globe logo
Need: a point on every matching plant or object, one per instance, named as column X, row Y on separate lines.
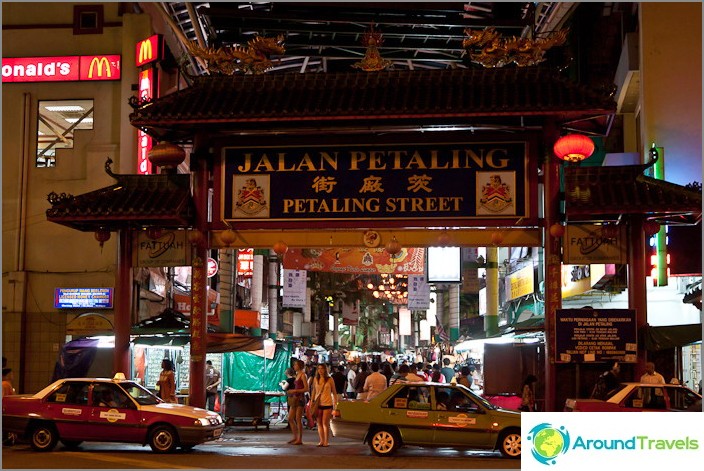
column 548, row 442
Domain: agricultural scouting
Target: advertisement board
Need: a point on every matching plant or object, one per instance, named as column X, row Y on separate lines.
column 61, row 68
column 83, row 298
column 589, row 335
column 587, row 244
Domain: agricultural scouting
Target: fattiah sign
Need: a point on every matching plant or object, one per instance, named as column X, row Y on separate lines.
column 434, row 181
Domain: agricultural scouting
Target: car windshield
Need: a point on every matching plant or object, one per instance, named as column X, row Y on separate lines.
column 140, row 394
column 478, row 398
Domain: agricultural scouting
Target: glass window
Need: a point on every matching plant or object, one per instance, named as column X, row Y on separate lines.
column 58, row 120
column 646, row 398
column 411, row 397
column 110, row 395
column 70, row 393
column 684, row 399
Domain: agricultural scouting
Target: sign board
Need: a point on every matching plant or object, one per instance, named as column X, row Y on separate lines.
column 354, row 260
column 384, row 181
column 520, row 283
column 587, row 244
column 169, row 250
column 418, row 293
column 444, row 265
column 90, row 324
column 61, row 68
column 147, row 88
column 148, row 50
column 589, row 335
column 212, row 267
column 83, row 298
column 294, row 288
column 245, row 263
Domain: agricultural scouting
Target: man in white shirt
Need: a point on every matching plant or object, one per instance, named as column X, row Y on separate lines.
column 375, row 382
column 351, row 374
column 651, row 376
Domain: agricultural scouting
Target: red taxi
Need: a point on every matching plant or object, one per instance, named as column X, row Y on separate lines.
column 74, row 410
column 641, row 397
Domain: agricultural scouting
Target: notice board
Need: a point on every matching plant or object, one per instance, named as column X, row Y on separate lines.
column 591, row 335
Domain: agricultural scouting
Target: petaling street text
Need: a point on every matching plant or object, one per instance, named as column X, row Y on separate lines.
column 372, row 205
column 432, row 159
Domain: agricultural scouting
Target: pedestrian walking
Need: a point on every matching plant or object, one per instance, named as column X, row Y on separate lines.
column 324, row 401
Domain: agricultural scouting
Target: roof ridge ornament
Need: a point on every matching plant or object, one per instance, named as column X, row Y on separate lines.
column 490, row 49
column 372, row 62
column 254, row 59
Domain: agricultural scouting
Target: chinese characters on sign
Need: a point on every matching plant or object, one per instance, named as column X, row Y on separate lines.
column 418, row 293
column 587, row 335
column 294, row 288
column 383, row 181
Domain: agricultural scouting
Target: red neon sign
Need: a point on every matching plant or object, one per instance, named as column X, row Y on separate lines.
column 245, row 263
column 144, row 141
column 61, row 68
column 148, row 50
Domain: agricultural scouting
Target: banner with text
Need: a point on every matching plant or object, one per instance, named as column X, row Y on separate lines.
column 418, row 293
column 362, row 261
column 294, row 288
column 388, row 181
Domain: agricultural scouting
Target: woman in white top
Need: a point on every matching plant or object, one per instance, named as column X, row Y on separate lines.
column 324, row 391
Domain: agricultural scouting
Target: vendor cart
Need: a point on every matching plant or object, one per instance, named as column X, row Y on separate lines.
column 247, row 408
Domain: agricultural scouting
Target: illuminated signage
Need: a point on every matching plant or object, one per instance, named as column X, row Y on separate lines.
column 212, row 267
column 444, row 265
column 245, row 263
column 83, row 298
column 520, row 283
column 144, row 141
column 148, row 50
column 588, row 335
column 61, row 68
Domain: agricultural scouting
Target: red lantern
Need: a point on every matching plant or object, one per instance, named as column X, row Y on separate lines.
column 393, row 247
column 228, row 237
column 444, row 239
column 573, row 147
column 194, row 236
column 651, row 228
column 102, row 235
column 496, row 238
column 280, row 248
column 557, row 230
column 167, row 155
column 609, row 231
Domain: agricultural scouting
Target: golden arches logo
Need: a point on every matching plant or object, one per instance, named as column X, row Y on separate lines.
column 146, row 52
column 99, row 64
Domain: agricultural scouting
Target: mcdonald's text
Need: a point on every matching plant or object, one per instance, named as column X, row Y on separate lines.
column 61, row 68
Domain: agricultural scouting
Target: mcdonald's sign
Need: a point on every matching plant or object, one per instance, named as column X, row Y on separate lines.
column 148, row 50
column 99, row 68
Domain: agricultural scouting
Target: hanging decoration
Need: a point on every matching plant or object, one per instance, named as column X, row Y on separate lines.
column 228, row 237
column 102, row 235
column 651, row 228
column 280, row 248
column 372, row 61
column 254, row 59
column 557, row 230
column 573, row 148
column 490, row 49
column 154, row 232
column 393, row 247
column 497, row 238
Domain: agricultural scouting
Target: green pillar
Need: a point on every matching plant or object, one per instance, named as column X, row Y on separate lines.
column 491, row 319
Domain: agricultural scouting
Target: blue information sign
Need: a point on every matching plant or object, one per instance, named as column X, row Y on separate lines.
column 83, row 298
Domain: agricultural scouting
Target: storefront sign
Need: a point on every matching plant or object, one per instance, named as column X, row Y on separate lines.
column 245, row 263
column 169, row 250
column 82, row 298
column 212, row 267
column 418, row 293
column 520, row 283
column 578, row 279
column 60, row 69
column 587, row 244
column 148, row 50
column 89, row 324
column 144, row 141
column 588, row 335
column 380, row 181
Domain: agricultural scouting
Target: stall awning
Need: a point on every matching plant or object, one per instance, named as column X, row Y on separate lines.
column 670, row 336
column 221, row 343
column 133, row 201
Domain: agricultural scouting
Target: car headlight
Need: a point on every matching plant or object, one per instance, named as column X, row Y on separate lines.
column 204, row 422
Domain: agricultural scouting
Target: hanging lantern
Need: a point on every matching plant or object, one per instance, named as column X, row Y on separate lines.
column 496, row 238
column 280, row 248
column 557, row 230
column 573, row 148
column 166, row 155
column 228, row 237
column 609, row 231
column 154, row 232
column 651, row 228
column 444, row 239
column 393, row 247
column 102, row 235
column 195, row 236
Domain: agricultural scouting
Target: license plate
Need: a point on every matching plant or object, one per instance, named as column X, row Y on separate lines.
column 218, row 432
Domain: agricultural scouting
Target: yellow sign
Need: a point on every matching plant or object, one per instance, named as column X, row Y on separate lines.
column 146, row 52
column 92, row 324
column 520, row 283
column 590, row 243
column 100, row 64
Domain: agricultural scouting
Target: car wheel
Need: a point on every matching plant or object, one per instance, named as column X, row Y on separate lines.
column 44, row 437
column 163, row 439
column 384, row 442
column 510, row 444
column 72, row 444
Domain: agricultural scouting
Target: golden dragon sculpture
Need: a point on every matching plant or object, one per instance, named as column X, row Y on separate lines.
column 254, row 59
column 490, row 49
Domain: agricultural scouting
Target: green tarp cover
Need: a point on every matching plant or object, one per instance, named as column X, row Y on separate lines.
column 244, row 371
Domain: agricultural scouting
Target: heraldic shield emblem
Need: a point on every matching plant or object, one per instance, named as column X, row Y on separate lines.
column 495, row 193
column 251, row 197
